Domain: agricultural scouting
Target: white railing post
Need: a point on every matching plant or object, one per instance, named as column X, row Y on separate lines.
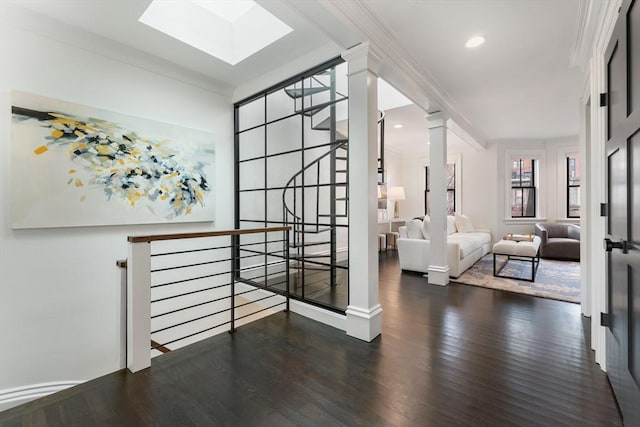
column 139, row 306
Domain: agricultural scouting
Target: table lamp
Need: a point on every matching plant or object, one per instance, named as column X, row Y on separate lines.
column 395, row 194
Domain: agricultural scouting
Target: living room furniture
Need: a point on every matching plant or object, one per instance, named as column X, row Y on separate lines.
column 382, row 242
column 559, row 241
column 395, row 194
column 463, row 248
column 518, row 251
column 389, row 227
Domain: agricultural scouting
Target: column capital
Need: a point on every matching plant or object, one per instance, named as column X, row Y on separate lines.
column 363, row 57
column 437, row 119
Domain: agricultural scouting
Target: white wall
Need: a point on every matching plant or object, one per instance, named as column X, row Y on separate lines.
column 60, row 296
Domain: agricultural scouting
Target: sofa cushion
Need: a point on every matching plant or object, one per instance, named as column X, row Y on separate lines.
column 451, row 225
column 463, row 224
column 414, row 229
column 469, row 242
column 426, row 225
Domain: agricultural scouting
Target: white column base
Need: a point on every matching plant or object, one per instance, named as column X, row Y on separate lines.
column 438, row 275
column 364, row 324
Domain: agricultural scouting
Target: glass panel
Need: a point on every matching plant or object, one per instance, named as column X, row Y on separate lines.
column 251, row 143
column 251, row 114
column 529, row 202
column 573, row 171
column 516, row 202
column 515, row 173
column 451, row 202
column 451, row 176
column 574, row 202
column 527, row 173
column 281, row 104
column 284, row 135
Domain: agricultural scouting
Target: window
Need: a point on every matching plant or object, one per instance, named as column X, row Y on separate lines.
column 573, row 187
column 523, row 188
column 451, row 189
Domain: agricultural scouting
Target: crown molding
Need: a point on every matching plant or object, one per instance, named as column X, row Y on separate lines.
column 594, row 23
column 398, row 66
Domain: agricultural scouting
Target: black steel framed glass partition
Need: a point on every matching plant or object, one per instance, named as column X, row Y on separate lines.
column 291, row 168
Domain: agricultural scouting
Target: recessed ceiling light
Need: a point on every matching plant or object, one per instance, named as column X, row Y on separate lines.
column 229, row 30
column 398, row 126
column 474, row 41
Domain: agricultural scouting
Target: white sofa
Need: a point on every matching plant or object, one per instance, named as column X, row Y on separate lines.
column 465, row 245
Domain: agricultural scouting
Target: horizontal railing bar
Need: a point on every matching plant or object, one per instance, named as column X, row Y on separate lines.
column 206, row 276
column 194, row 334
column 264, row 276
column 262, row 252
column 259, row 299
column 256, row 312
column 157, row 237
column 191, row 250
column 259, row 286
column 248, row 292
column 191, row 292
column 189, row 321
column 281, row 153
column 190, row 265
column 190, row 306
column 262, row 243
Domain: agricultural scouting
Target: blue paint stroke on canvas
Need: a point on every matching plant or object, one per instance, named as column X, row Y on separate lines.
column 127, row 165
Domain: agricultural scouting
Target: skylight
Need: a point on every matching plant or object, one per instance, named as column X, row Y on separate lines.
column 228, row 30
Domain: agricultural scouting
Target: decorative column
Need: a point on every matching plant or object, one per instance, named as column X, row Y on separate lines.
column 364, row 314
column 438, row 267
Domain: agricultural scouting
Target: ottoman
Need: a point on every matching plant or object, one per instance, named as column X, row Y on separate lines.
column 517, row 251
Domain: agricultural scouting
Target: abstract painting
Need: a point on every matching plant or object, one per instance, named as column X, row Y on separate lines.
column 74, row 165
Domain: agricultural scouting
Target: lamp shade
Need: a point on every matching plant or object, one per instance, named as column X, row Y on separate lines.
column 396, row 193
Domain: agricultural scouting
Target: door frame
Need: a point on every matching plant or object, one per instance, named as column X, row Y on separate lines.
column 595, row 173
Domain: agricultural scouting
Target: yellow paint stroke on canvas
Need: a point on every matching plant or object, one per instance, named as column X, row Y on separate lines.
column 79, row 183
column 40, row 150
column 134, row 197
column 72, row 171
column 56, row 133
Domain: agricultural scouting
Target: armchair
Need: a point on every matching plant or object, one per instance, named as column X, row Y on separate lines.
column 559, row 241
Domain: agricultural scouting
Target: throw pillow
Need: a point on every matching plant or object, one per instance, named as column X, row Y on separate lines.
column 463, row 224
column 414, row 229
column 451, row 225
column 426, row 224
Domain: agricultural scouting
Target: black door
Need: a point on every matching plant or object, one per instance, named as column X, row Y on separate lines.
column 623, row 221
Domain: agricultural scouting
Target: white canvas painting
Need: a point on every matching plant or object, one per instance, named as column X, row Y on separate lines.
column 74, row 165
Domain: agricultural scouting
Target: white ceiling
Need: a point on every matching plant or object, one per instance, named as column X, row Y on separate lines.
column 518, row 85
column 118, row 20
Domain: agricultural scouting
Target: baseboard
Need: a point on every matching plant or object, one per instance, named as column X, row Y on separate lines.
column 331, row 318
column 12, row 397
column 310, row 311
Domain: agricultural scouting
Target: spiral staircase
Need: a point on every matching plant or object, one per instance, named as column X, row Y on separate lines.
column 316, row 203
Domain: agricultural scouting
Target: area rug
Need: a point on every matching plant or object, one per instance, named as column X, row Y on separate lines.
column 555, row 279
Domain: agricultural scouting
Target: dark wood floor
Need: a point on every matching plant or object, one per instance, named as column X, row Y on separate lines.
column 448, row 356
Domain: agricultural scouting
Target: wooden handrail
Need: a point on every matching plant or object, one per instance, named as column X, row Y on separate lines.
column 141, row 239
